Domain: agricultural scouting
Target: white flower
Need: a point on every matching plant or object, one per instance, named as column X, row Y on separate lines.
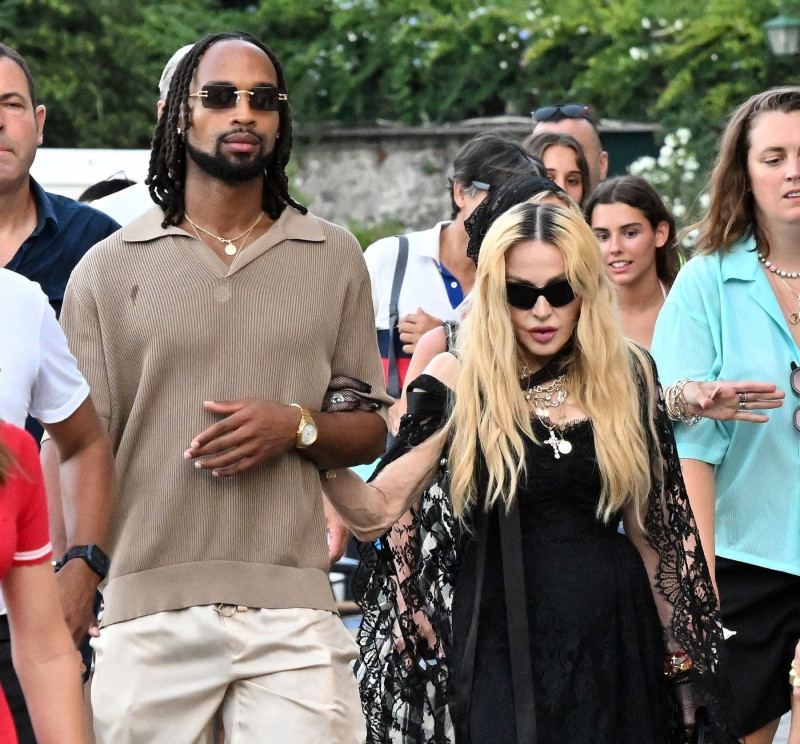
column 684, row 135
column 646, row 23
column 688, row 176
column 671, row 141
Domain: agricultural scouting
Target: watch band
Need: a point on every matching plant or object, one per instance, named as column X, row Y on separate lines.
column 93, row 555
column 306, row 430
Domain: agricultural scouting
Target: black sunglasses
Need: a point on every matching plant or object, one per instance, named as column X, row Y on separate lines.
column 567, row 111
column 225, row 96
column 525, row 296
column 794, row 381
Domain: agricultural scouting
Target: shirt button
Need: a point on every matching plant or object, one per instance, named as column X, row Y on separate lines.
column 453, row 284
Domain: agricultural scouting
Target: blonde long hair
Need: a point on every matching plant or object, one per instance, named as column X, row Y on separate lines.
column 491, row 418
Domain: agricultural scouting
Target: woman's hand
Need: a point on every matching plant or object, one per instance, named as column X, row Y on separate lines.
column 732, row 401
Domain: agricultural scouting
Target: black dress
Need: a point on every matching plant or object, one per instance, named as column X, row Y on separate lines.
column 595, row 641
column 555, row 632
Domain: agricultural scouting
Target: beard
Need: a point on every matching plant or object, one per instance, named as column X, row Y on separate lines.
column 225, row 168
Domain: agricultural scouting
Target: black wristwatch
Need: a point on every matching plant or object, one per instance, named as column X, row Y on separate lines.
column 95, row 558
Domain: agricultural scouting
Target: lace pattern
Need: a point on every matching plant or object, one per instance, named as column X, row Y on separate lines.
column 681, row 580
column 404, row 585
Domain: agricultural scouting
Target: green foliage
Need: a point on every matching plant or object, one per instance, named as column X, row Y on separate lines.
column 682, row 63
column 367, row 234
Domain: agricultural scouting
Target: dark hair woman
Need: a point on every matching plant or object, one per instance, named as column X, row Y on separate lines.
column 636, row 233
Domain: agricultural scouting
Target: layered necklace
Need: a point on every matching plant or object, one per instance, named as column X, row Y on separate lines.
column 542, row 399
column 782, row 276
column 229, row 243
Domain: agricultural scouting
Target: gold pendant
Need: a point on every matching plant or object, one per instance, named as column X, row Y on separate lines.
column 794, row 318
column 230, row 249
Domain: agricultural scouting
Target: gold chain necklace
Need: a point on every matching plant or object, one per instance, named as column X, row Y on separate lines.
column 794, row 318
column 539, row 400
column 230, row 248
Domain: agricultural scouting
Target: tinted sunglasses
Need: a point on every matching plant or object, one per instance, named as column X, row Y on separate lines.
column 567, row 110
column 225, row 96
column 525, row 296
column 794, row 381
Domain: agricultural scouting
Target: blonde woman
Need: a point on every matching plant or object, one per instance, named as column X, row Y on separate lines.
column 562, row 628
column 45, row 659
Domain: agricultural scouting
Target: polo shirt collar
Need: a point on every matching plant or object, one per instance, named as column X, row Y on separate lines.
column 741, row 262
column 291, row 225
column 44, row 209
column 429, row 247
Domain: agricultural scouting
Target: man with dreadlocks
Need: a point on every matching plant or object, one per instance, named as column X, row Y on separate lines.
column 207, row 328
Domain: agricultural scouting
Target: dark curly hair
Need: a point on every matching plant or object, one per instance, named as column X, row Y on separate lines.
column 167, row 174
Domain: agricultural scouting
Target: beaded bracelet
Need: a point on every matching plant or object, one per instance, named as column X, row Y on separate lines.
column 676, row 405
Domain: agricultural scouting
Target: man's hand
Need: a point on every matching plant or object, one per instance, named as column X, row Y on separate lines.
column 77, row 584
column 254, row 431
column 413, row 326
column 338, row 532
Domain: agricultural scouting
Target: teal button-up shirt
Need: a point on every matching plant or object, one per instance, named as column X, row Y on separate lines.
column 723, row 321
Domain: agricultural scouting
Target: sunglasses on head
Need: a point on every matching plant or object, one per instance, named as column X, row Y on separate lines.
column 225, row 96
column 794, row 381
column 566, row 110
column 525, row 296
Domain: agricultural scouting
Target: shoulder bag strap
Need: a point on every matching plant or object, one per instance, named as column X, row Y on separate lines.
column 393, row 377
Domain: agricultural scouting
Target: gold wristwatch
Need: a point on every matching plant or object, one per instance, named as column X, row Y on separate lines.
column 307, row 430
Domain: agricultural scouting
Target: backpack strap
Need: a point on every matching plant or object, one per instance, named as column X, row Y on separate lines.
column 393, row 377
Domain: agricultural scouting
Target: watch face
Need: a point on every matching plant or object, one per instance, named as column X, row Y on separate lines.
column 98, row 558
column 308, row 435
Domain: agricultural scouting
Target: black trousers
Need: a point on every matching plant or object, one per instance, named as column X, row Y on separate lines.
column 11, row 688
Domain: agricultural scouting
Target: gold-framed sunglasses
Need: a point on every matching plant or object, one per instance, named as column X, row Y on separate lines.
column 225, row 96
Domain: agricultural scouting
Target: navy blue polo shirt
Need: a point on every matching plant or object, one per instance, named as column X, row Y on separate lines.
column 65, row 230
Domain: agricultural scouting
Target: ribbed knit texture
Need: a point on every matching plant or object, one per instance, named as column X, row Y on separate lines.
column 160, row 324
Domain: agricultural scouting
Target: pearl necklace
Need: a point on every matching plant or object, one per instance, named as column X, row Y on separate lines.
column 540, row 399
column 230, row 248
column 775, row 270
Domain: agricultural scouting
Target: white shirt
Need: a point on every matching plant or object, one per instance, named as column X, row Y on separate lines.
column 126, row 205
column 38, row 374
column 423, row 285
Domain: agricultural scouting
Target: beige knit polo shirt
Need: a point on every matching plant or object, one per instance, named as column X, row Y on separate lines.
column 160, row 324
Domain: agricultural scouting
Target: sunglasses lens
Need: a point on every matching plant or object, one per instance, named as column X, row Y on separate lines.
column 559, row 293
column 265, row 98
column 219, row 96
column 573, row 110
column 794, row 379
column 796, row 418
column 544, row 113
column 521, row 296
column 525, row 296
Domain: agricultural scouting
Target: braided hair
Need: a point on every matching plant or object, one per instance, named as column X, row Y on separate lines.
column 167, row 173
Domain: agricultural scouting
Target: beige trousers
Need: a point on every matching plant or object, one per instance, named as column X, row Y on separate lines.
column 266, row 675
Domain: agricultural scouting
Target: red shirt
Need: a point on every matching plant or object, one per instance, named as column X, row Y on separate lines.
column 24, row 538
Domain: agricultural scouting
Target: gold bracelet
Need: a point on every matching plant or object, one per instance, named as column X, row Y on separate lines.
column 675, row 402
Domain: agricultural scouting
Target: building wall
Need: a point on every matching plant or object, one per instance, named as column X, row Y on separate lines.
column 366, row 175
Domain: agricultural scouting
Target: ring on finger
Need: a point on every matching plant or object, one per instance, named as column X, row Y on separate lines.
column 742, row 398
column 742, row 405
